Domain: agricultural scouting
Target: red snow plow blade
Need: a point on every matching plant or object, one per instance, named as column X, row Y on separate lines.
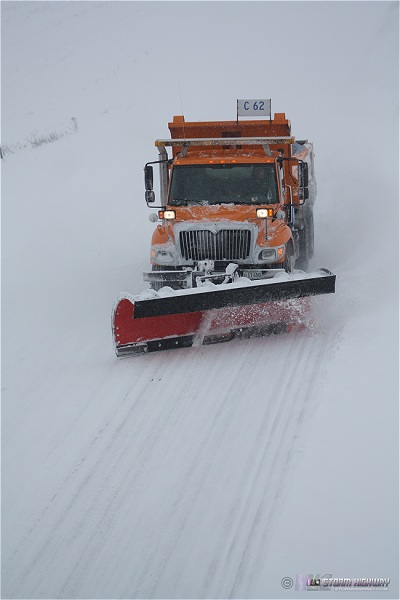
column 175, row 319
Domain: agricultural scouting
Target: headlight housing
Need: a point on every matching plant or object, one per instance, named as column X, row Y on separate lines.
column 167, row 214
column 263, row 213
column 163, row 254
column 163, row 257
column 272, row 254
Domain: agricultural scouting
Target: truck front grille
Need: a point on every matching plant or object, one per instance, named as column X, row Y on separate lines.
column 226, row 244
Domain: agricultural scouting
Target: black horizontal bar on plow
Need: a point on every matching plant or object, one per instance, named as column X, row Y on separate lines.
column 236, row 296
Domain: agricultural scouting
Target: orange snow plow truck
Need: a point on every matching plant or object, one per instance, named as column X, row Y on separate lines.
column 235, row 236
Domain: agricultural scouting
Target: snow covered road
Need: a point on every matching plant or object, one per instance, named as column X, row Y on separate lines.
column 139, row 484
column 210, row 472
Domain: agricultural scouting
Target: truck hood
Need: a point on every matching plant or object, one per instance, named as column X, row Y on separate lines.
column 193, row 216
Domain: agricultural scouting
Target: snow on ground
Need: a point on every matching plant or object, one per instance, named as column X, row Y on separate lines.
column 210, row 472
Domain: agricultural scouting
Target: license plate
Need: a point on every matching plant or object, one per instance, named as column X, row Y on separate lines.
column 252, row 274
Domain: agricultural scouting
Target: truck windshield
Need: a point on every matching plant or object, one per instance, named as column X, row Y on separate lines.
column 223, row 184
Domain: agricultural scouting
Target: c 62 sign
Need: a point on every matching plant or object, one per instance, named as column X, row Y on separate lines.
column 254, row 107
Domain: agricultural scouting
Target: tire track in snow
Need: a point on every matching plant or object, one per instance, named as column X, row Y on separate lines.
column 116, row 465
column 255, row 464
column 197, row 472
column 78, row 482
column 182, row 493
column 255, row 553
column 128, row 486
column 151, row 436
column 225, row 558
column 116, row 500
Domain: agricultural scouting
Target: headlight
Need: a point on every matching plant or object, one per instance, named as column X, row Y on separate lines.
column 166, row 214
column 163, row 257
column 272, row 254
column 163, row 254
column 268, row 253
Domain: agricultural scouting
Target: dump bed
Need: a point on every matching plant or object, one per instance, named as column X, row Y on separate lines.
column 279, row 127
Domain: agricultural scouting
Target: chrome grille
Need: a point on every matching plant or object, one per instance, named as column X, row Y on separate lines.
column 226, row 244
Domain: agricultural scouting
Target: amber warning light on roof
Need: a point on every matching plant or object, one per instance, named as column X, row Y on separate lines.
column 254, row 108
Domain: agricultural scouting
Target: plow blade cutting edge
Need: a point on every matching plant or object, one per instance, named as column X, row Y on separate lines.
column 175, row 319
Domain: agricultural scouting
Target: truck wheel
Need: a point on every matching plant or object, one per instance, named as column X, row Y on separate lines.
column 311, row 236
column 306, row 242
column 302, row 261
column 288, row 263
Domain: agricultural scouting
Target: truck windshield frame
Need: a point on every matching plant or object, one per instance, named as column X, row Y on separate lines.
column 226, row 183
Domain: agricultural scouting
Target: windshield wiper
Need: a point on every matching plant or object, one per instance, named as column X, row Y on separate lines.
column 187, row 202
column 178, row 201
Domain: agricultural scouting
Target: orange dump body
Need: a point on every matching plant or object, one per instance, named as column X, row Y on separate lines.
column 279, row 126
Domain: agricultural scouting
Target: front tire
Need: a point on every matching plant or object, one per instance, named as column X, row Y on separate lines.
column 306, row 242
column 288, row 263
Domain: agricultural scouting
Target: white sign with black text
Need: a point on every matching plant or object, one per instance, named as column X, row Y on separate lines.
column 254, row 108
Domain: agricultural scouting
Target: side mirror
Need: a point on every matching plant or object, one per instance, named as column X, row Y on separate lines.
column 148, row 184
column 303, row 181
column 148, row 178
column 149, row 196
